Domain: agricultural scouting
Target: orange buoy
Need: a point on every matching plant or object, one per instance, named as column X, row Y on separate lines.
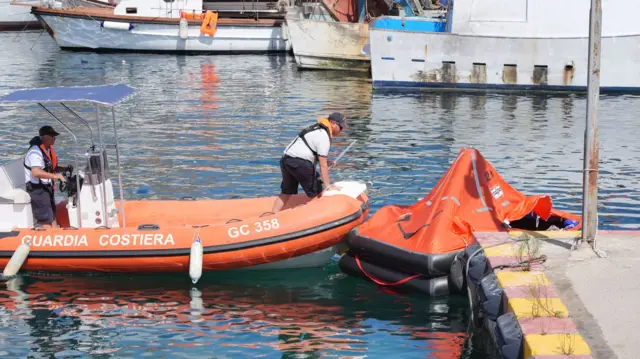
column 191, row 15
column 209, row 23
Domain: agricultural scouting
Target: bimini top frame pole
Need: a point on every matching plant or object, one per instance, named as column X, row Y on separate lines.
column 75, row 159
column 100, row 95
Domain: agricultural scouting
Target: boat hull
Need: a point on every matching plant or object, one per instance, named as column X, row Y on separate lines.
column 406, row 60
column 77, row 32
column 312, row 260
column 329, row 45
column 234, row 234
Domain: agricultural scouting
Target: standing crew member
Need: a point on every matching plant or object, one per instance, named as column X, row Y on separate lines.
column 298, row 165
column 41, row 168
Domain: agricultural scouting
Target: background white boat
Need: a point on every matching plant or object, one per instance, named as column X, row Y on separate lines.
column 154, row 25
column 507, row 45
column 16, row 15
column 332, row 35
column 329, row 45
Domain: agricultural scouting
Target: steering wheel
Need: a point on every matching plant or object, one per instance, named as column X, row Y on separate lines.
column 67, row 174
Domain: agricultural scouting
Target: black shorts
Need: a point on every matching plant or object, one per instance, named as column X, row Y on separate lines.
column 42, row 203
column 298, row 171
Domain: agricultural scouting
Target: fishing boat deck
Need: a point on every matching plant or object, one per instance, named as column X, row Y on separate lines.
column 107, row 14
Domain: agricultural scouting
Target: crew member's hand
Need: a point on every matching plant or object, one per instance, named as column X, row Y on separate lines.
column 61, row 177
column 334, row 187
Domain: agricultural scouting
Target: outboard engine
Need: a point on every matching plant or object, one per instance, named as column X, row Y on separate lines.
column 95, row 195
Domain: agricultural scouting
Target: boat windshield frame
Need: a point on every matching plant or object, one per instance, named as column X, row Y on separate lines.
column 106, row 95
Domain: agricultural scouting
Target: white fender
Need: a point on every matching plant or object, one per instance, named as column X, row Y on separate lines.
column 17, row 259
column 350, row 188
column 183, row 31
column 117, row 25
column 195, row 261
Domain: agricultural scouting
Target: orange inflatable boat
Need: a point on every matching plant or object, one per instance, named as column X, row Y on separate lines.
column 100, row 234
column 159, row 235
column 414, row 246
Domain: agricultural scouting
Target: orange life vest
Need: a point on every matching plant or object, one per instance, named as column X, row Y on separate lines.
column 50, row 158
column 327, row 124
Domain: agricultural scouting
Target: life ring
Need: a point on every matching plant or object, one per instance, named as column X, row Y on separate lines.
column 209, row 23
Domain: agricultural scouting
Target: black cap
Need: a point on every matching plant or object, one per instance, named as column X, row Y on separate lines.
column 48, row 131
column 338, row 118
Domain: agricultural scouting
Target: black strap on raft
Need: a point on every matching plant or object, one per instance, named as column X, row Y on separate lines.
column 314, row 127
column 411, row 234
column 48, row 164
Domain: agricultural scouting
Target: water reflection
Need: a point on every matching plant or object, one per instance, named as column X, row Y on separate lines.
column 231, row 313
column 215, row 127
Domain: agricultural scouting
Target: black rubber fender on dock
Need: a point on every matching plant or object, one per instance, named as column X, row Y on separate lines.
column 478, row 268
column 509, row 336
column 491, row 296
column 479, row 265
column 431, row 286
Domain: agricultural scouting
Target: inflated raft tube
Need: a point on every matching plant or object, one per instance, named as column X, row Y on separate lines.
column 353, row 265
column 429, row 265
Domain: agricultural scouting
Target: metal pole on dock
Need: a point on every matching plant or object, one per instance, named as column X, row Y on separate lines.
column 591, row 145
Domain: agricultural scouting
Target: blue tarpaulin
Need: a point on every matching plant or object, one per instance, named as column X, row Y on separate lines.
column 107, row 94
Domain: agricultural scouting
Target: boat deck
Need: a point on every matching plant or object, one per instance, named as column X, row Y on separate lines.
column 107, row 14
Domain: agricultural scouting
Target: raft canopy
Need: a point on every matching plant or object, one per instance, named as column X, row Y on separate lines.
column 109, row 95
column 470, row 197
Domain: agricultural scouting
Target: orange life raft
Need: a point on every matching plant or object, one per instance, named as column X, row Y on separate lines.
column 415, row 245
column 159, row 234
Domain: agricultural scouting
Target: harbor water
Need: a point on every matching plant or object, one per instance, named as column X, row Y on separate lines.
column 215, row 127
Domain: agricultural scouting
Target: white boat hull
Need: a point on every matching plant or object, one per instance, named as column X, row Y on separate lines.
column 402, row 59
column 507, row 45
column 329, row 45
column 83, row 33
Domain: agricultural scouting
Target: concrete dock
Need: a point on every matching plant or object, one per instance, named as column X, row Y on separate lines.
column 594, row 299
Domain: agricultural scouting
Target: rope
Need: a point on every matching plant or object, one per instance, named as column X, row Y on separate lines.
column 537, row 260
column 381, row 282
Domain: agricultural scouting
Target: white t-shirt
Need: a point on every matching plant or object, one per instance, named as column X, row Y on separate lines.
column 34, row 159
column 318, row 140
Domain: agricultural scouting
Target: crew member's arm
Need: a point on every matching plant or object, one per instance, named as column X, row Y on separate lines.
column 42, row 174
column 324, row 170
column 36, row 162
column 323, row 144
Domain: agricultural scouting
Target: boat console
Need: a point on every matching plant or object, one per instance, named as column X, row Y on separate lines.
column 96, row 200
column 95, row 195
